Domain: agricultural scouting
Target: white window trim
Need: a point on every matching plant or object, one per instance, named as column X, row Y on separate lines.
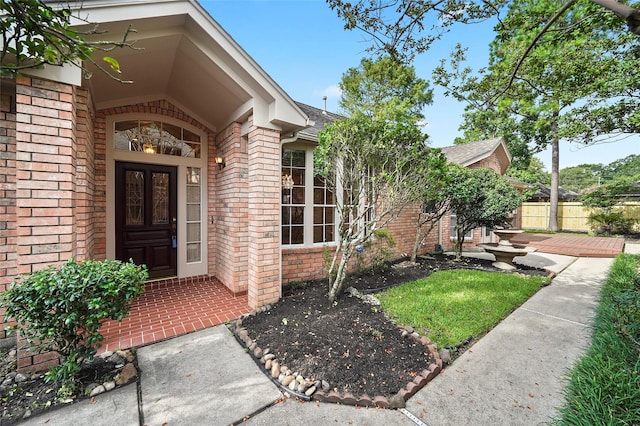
column 184, row 269
column 308, row 199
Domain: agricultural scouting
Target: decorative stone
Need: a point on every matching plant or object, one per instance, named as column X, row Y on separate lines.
column 109, row 386
column 293, row 385
column 267, row 364
column 310, row 391
column 127, row 374
column 6, row 382
column 257, row 353
column 325, row 386
column 445, row 356
column 287, row 380
column 397, row 401
column 269, row 356
column 275, row 369
column 116, row 359
column 301, row 387
column 19, row 378
column 349, row 399
column 106, row 354
column 97, row 391
column 252, row 346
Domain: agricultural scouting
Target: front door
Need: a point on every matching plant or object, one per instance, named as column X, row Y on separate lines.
column 146, row 217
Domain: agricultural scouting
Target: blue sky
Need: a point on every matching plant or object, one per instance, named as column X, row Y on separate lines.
column 302, row 45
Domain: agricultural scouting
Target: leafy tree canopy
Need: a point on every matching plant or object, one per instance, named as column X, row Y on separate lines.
column 34, row 34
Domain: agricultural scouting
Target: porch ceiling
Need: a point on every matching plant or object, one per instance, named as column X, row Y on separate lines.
column 183, row 55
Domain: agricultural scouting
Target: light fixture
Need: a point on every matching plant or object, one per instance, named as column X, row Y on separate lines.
column 220, row 162
column 287, row 181
column 149, row 148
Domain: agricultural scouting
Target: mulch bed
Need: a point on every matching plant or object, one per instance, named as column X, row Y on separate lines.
column 350, row 344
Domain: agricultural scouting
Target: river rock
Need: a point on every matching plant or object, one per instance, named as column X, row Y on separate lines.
column 97, row 391
column 310, row 391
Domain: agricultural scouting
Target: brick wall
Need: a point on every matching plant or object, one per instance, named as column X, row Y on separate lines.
column 228, row 206
column 263, row 175
column 8, row 254
column 45, row 173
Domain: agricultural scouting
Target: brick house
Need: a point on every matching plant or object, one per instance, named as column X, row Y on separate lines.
column 201, row 168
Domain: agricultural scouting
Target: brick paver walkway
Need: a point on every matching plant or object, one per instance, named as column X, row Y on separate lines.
column 172, row 310
column 572, row 245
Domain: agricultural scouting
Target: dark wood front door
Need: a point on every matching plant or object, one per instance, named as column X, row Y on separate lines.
column 146, row 217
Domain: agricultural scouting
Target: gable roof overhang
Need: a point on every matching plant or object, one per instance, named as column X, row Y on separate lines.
column 468, row 154
column 183, row 55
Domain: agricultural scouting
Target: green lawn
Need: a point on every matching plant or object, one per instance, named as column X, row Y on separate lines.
column 450, row 306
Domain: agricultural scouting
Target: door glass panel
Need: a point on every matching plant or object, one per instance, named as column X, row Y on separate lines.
column 194, row 219
column 160, row 213
column 134, row 197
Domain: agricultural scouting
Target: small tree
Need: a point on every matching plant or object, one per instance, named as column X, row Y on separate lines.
column 368, row 158
column 368, row 161
column 63, row 309
column 431, row 178
column 478, row 197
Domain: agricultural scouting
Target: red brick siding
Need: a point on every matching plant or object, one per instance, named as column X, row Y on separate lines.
column 45, row 173
column 8, row 267
column 228, row 234
column 263, row 175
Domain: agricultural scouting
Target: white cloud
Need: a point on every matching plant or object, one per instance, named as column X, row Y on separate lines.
column 332, row 91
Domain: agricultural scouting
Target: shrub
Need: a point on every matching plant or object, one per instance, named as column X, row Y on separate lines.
column 62, row 309
column 611, row 222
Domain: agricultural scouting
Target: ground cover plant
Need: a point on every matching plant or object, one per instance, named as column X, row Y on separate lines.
column 352, row 345
column 450, row 306
column 604, row 386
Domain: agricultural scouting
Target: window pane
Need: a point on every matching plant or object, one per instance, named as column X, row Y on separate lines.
column 297, row 215
column 297, row 234
column 134, row 204
column 193, row 232
column 318, row 196
column 160, row 208
column 193, row 212
column 193, row 194
column 193, row 252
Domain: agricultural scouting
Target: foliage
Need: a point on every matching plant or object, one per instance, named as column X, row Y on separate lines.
column 62, row 309
column 373, row 155
column 377, row 251
column 546, row 63
column 580, row 177
column 34, row 34
column 431, row 176
column 450, row 306
column 604, row 385
column 478, row 197
column 605, row 217
column 534, row 173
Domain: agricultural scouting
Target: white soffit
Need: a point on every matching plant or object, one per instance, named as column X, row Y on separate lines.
column 185, row 56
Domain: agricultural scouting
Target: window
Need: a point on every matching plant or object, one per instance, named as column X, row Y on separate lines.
column 452, row 228
column 194, row 219
column 156, row 137
column 308, row 205
column 293, row 196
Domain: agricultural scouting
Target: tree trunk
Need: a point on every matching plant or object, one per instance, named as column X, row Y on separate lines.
column 555, row 174
column 416, row 243
column 335, row 286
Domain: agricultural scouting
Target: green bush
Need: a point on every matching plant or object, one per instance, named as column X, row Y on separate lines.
column 62, row 309
column 604, row 386
column 611, row 223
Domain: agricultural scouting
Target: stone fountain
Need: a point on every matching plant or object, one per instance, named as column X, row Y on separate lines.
column 504, row 250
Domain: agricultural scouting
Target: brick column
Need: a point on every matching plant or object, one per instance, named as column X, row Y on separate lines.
column 45, row 169
column 264, row 217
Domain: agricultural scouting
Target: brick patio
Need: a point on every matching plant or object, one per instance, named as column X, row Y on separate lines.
column 572, row 245
column 171, row 309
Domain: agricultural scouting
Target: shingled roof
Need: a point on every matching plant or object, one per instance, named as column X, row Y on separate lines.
column 320, row 118
column 469, row 153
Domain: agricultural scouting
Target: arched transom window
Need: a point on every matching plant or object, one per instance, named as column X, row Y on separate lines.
column 156, row 137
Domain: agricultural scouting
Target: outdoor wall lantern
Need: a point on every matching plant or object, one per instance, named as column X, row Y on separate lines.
column 220, row 162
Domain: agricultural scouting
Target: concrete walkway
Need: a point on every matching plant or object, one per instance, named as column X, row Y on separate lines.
column 514, row 375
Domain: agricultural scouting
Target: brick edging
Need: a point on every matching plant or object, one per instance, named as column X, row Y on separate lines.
column 380, row 401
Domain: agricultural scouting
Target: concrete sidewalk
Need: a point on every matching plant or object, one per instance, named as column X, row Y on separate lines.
column 513, row 375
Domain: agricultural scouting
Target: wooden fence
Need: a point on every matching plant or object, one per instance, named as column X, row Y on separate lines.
column 572, row 216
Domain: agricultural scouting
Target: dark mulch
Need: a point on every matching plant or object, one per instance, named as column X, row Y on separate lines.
column 351, row 344
column 35, row 395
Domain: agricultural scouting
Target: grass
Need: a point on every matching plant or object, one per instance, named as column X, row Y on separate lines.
column 450, row 306
column 604, row 385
